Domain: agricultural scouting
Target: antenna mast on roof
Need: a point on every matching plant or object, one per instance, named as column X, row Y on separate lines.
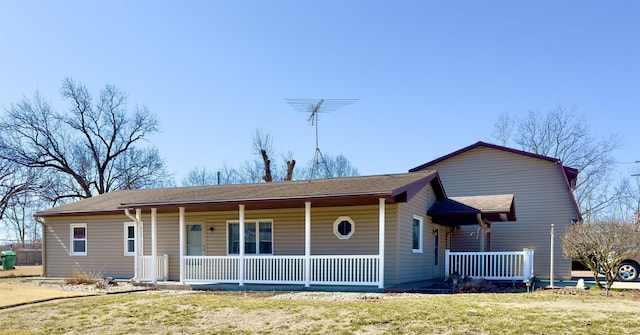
column 314, row 107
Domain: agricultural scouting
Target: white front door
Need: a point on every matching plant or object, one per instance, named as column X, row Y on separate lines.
column 194, row 240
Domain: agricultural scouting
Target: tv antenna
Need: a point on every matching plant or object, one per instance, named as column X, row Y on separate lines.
column 314, row 107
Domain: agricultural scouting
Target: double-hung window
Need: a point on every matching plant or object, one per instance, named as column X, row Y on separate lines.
column 417, row 233
column 129, row 239
column 258, row 237
column 78, row 239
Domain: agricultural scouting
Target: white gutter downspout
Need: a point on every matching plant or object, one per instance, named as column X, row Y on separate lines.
column 136, row 246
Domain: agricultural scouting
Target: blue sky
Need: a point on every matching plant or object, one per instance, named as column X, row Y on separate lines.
column 431, row 76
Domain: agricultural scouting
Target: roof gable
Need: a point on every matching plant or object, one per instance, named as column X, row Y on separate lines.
column 488, row 145
column 569, row 175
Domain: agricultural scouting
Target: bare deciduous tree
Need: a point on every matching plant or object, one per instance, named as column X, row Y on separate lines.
column 89, row 149
column 14, row 180
column 262, row 168
column 337, row 166
column 601, row 246
column 19, row 221
column 561, row 134
column 263, row 147
column 628, row 192
column 200, row 177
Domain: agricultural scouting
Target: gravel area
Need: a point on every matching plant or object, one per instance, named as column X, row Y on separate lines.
column 342, row 296
column 126, row 286
column 100, row 287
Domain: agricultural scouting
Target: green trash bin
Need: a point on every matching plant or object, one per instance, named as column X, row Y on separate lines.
column 8, row 260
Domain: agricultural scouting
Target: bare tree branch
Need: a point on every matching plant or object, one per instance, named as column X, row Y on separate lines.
column 560, row 133
column 601, row 246
column 94, row 147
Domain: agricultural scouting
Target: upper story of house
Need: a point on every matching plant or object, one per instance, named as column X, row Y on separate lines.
column 541, row 185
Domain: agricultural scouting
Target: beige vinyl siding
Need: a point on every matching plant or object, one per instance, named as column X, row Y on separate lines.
column 288, row 230
column 105, row 237
column 105, row 248
column 412, row 266
column 541, row 199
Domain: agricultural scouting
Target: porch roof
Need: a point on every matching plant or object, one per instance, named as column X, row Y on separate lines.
column 365, row 190
column 457, row 211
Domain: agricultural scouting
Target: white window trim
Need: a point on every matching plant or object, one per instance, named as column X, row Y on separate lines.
column 421, row 237
column 257, row 223
column 126, row 239
column 72, row 239
column 337, row 232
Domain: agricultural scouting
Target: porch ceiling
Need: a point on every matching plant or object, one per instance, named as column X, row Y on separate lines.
column 459, row 211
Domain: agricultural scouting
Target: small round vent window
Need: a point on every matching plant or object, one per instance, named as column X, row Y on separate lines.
column 343, row 227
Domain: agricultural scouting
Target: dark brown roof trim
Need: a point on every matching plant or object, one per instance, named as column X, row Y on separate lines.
column 488, row 145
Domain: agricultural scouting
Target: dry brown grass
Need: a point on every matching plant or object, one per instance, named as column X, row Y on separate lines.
column 13, row 295
column 84, row 278
column 22, row 271
column 163, row 312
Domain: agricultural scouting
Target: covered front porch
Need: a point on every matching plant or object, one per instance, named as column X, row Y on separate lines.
column 246, row 268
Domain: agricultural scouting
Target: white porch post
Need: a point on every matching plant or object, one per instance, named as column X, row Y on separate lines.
column 154, row 246
column 139, row 241
column 307, row 244
column 241, row 260
column 381, row 245
column 182, row 243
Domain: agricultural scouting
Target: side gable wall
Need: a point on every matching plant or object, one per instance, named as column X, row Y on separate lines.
column 105, row 248
column 541, row 199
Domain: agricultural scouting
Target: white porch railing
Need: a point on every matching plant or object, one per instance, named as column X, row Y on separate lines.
column 162, row 268
column 491, row 265
column 325, row 270
column 344, row 270
column 222, row 269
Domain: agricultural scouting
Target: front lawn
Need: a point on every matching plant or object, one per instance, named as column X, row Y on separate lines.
column 186, row 312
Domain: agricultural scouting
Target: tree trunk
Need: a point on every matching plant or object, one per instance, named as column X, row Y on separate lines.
column 290, row 165
column 267, row 167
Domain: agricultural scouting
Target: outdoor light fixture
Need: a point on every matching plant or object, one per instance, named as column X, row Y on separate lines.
column 211, row 228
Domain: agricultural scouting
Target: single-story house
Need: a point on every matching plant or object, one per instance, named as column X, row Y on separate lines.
column 542, row 186
column 377, row 231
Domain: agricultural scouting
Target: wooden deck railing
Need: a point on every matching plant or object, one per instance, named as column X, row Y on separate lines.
column 162, row 268
column 324, row 270
column 491, row 265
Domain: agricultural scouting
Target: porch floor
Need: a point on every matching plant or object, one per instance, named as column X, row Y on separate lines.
column 417, row 286
column 432, row 286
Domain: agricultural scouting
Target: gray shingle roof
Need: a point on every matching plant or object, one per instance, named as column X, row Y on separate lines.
column 352, row 190
column 463, row 210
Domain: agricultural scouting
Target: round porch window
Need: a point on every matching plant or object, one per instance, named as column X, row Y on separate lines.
column 344, row 227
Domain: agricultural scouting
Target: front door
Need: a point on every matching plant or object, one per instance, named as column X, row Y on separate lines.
column 194, row 240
